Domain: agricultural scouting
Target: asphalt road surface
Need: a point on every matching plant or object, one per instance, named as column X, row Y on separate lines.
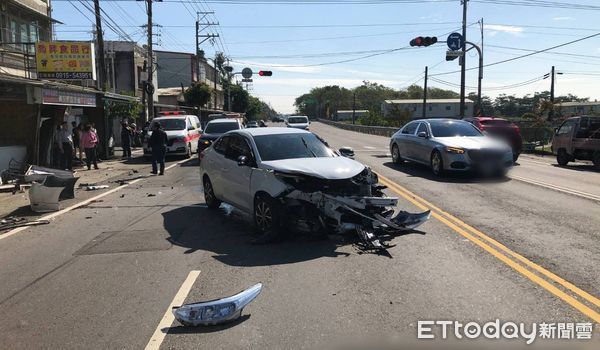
column 525, row 249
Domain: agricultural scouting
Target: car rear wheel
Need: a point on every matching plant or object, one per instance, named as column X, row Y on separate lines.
column 562, row 158
column 267, row 214
column 437, row 164
column 209, row 195
column 596, row 161
column 396, row 157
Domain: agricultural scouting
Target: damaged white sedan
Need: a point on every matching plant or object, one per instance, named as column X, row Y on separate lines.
column 291, row 178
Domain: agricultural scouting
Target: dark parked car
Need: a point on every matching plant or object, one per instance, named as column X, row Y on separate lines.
column 214, row 129
column 578, row 138
column 501, row 128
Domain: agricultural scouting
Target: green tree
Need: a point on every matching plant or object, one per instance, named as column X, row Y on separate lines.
column 197, row 95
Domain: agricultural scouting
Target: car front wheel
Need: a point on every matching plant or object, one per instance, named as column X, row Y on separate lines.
column 396, row 157
column 562, row 158
column 437, row 164
column 209, row 195
column 267, row 217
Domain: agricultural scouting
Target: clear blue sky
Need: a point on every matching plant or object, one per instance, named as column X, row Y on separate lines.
column 289, row 38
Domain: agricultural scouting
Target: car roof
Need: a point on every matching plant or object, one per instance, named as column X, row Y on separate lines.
column 223, row 120
column 269, row 131
column 178, row 116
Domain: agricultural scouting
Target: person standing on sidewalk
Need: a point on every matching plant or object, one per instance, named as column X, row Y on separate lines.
column 126, row 139
column 158, row 142
column 65, row 145
column 76, row 140
column 89, row 140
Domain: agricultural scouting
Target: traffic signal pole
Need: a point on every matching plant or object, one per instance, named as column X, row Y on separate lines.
column 425, row 93
column 463, row 61
column 150, row 87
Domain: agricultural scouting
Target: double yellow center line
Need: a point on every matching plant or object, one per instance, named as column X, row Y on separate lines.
column 569, row 293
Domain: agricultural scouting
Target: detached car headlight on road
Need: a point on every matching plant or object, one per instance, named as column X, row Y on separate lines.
column 216, row 311
column 455, row 150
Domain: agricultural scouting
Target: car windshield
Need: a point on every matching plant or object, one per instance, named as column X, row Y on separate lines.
column 453, row 128
column 291, row 146
column 221, row 128
column 297, row 120
column 496, row 122
column 172, row 124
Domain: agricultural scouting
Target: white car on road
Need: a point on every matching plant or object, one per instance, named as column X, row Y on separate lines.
column 298, row 122
column 290, row 176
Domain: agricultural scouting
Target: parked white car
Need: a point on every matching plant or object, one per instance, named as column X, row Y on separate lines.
column 298, row 122
column 284, row 175
column 183, row 132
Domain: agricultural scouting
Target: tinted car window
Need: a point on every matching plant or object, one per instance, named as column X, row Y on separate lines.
column 172, row 124
column 221, row 128
column 496, row 122
column 567, row 127
column 297, row 120
column 589, row 128
column 237, row 147
column 222, row 144
column 453, row 128
column 409, row 129
column 290, row 146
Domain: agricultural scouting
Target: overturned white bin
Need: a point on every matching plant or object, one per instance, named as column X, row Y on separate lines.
column 44, row 199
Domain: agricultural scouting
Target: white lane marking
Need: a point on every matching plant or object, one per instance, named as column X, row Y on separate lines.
column 80, row 204
column 529, row 160
column 168, row 318
column 370, row 147
column 558, row 188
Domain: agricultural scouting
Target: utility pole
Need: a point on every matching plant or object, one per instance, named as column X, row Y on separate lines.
column 480, row 77
column 463, row 60
column 102, row 76
column 425, row 93
column 201, row 38
column 354, row 107
column 216, row 78
column 551, row 112
column 149, row 87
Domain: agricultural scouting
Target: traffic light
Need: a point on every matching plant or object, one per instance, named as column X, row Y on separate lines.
column 423, row 41
column 265, row 73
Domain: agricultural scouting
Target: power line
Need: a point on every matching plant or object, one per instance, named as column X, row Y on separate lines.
column 525, row 55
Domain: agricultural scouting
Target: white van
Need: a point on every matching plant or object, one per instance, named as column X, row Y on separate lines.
column 183, row 132
column 298, row 122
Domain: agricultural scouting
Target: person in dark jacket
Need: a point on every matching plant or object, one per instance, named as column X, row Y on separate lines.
column 126, row 140
column 158, row 142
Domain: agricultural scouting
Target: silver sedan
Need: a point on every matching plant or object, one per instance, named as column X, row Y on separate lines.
column 450, row 144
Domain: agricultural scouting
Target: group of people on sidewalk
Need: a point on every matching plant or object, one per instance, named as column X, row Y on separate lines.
column 84, row 139
column 77, row 140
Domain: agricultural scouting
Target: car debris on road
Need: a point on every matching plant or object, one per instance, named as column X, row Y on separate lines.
column 217, row 311
column 13, row 222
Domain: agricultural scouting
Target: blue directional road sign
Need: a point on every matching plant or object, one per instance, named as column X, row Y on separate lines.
column 455, row 41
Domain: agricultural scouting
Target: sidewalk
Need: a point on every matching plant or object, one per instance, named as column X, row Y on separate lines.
column 110, row 172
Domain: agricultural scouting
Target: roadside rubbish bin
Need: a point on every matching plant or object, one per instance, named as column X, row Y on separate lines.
column 43, row 198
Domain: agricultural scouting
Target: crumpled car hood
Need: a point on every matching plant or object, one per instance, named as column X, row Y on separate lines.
column 331, row 168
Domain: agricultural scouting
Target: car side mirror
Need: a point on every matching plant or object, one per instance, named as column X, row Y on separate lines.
column 423, row 134
column 243, row 161
column 347, row 152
